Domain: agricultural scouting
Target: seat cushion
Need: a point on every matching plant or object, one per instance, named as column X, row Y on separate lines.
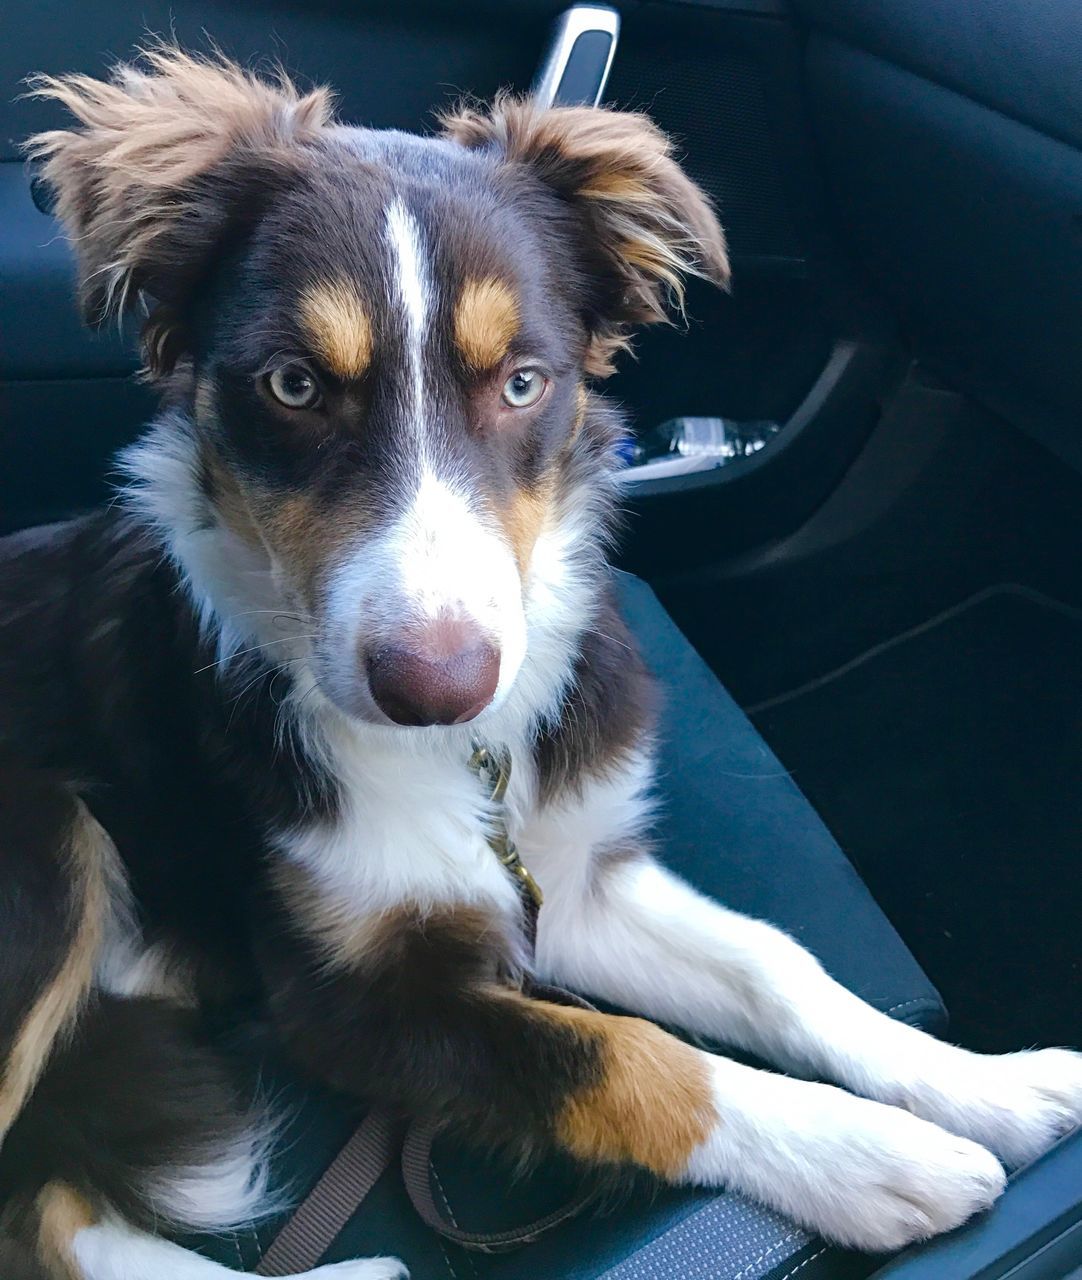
column 734, row 824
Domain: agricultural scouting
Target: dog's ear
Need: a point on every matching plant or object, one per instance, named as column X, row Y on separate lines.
column 167, row 157
column 647, row 225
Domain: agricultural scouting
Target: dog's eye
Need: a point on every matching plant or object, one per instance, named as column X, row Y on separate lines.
column 524, row 388
column 294, row 386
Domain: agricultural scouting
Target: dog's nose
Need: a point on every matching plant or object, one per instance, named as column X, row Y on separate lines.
column 444, row 672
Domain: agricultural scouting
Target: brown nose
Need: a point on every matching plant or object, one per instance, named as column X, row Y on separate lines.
column 445, row 672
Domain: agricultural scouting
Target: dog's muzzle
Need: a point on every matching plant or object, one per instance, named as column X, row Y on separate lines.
column 440, row 672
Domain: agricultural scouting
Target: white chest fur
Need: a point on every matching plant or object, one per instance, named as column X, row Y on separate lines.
column 411, row 828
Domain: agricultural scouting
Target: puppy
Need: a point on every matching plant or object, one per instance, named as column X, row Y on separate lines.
column 364, row 535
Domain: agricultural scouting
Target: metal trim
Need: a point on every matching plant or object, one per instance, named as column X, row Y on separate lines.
column 571, row 24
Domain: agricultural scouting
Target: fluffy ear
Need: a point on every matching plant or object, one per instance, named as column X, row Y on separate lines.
column 648, row 225
column 167, row 157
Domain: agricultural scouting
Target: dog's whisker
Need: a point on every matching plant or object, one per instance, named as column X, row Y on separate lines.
column 612, row 639
column 279, row 613
column 255, row 648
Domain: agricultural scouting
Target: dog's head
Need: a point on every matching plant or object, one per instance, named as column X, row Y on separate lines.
column 378, row 347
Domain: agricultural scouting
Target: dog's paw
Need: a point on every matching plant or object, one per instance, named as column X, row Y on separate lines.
column 360, row 1269
column 858, row 1173
column 1017, row 1105
column 893, row 1179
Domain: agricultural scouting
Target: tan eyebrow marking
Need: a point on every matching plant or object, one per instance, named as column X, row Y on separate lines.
column 338, row 326
column 486, row 319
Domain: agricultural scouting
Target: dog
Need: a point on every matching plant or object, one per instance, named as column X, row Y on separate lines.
column 365, row 535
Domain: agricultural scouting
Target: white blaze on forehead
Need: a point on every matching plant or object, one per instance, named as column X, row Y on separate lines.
column 447, row 555
column 413, row 285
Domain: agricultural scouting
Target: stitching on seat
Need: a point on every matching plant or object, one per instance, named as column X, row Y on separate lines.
column 807, row 1261
column 447, row 1259
column 905, row 1004
column 451, row 1215
column 259, row 1249
column 923, row 1002
column 763, row 1256
column 916, row 1010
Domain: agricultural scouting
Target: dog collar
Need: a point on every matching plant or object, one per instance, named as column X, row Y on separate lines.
column 493, row 768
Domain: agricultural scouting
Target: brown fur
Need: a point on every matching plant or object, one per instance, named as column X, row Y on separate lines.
column 607, row 714
column 191, row 172
column 486, row 319
column 62, row 1213
column 349, row 941
column 54, row 1012
column 129, row 180
column 300, row 533
column 296, row 528
column 344, row 939
column 651, row 222
column 221, row 485
column 338, row 326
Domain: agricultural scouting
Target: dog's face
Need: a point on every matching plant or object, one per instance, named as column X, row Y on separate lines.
column 388, row 375
column 384, row 342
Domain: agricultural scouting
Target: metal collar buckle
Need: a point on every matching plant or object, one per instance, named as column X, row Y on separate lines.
column 494, row 770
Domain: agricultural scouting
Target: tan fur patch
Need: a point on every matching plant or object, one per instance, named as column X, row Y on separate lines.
column 223, row 489
column 614, row 184
column 62, row 1214
column 304, row 536
column 601, row 353
column 582, row 405
column 89, row 852
column 486, row 320
column 524, row 517
column 654, row 1104
column 298, row 530
column 338, row 327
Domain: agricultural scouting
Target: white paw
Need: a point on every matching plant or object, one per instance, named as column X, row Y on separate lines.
column 1017, row 1105
column 360, row 1269
column 859, row 1173
column 893, row 1179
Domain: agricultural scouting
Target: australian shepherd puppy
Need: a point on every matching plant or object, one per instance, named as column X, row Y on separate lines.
column 237, row 709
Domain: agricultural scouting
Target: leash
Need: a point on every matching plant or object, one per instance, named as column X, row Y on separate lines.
column 316, row 1223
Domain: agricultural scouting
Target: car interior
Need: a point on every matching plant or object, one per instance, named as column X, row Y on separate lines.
column 853, row 525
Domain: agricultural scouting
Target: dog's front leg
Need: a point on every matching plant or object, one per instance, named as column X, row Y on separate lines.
column 413, row 1013
column 622, row 928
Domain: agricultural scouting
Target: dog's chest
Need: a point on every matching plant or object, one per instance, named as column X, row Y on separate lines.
column 411, row 831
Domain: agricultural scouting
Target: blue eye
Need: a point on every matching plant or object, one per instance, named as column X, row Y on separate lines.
column 524, row 388
column 294, row 386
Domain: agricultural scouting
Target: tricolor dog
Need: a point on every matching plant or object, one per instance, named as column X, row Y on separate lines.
column 365, row 534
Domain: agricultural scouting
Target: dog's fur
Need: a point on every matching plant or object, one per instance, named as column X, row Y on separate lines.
column 202, row 797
